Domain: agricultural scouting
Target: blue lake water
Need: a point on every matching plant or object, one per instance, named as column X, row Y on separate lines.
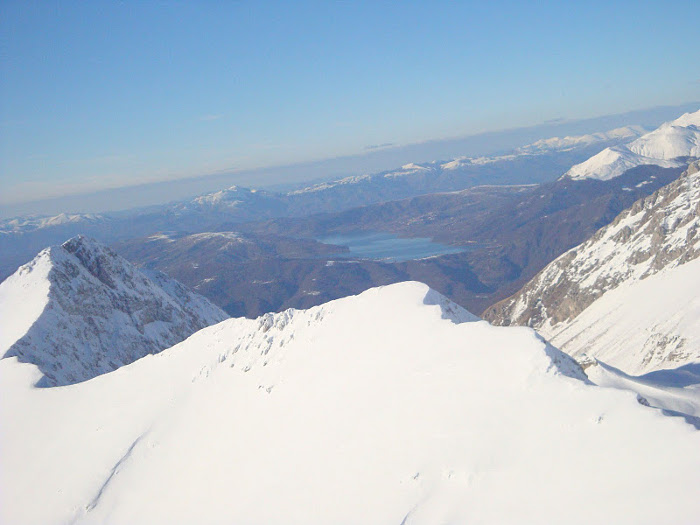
column 388, row 247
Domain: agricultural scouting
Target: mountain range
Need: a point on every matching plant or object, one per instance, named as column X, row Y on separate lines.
column 669, row 146
column 21, row 238
column 507, row 233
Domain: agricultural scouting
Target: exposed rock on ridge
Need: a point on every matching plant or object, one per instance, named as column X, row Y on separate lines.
column 99, row 313
column 658, row 233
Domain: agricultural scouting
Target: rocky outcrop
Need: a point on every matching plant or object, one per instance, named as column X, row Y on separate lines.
column 656, row 234
column 100, row 312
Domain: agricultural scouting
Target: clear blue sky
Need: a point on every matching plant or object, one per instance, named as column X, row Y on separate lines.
column 96, row 94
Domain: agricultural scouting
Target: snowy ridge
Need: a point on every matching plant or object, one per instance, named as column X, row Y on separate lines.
column 26, row 224
column 227, row 199
column 381, row 398
column 353, row 179
column 541, row 147
column 596, row 298
column 79, row 310
column 567, row 143
column 667, row 146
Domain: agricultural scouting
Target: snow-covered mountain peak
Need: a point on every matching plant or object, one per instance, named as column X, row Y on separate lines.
column 263, row 345
column 623, row 132
column 97, row 259
column 410, row 169
column 667, row 146
column 235, row 199
column 374, row 398
column 228, row 195
column 413, row 166
column 686, row 120
column 79, row 310
column 571, row 142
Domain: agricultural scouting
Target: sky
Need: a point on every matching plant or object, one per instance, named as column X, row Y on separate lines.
column 106, row 94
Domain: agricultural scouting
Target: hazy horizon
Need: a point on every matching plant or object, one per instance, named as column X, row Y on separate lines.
column 105, row 94
column 376, row 159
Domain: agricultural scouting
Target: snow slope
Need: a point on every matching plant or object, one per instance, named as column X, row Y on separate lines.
column 630, row 295
column 666, row 146
column 79, row 310
column 641, row 325
column 394, row 406
column 676, row 392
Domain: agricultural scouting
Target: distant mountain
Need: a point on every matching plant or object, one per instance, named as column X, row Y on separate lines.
column 568, row 143
column 672, row 145
column 394, row 406
column 510, row 233
column 232, row 204
column 250, row 274
column 542, row 161
column 21, row 238
column 79, row 310
column 630, row 295
column 246, row 275
column 371, row 160
column 28, row 224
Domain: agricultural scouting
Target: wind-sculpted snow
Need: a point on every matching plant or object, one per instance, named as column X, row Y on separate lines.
column 79, row 310
column 379, row 408
column 676, row 392
column 628, row 296
column 668, row 146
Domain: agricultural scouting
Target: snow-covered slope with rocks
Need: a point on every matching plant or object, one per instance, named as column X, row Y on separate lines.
column 630, row 295
column 668, row 146
column 79, row 310
column 394, row 406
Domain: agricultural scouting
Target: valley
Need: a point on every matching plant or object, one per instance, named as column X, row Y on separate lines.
column 501, row 236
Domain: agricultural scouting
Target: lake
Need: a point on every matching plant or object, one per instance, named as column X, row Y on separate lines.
column 382, row 246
